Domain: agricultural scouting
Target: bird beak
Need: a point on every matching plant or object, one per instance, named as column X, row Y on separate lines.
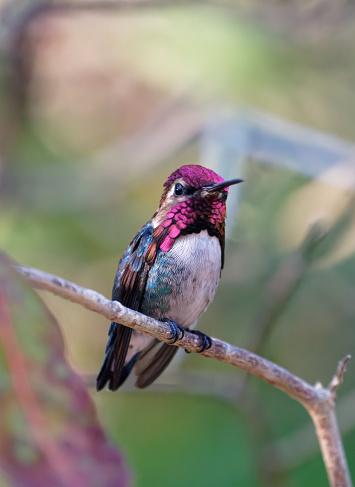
column 214, row 188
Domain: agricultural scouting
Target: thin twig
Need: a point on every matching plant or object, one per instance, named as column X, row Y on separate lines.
column 338, row 378
column 318, row 401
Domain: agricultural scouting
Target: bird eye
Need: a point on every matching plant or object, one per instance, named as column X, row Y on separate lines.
column 179, row 189
column 224, row 195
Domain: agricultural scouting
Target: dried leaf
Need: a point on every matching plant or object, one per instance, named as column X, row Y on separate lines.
column 49, row 432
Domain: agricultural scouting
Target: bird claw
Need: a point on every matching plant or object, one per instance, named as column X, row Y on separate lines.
column 205, row 341
column 177, row 332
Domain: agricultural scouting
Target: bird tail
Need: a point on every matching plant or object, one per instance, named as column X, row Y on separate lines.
column 152, row 361
column 114, row 371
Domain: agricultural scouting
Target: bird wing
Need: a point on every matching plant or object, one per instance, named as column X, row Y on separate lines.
column 129, row 286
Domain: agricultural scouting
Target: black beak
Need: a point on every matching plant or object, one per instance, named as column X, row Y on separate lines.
column 220, row 186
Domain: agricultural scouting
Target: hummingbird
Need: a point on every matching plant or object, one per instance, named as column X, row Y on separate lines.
column 170, row 271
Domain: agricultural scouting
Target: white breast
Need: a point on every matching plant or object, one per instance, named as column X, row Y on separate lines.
column 191, row 274
column 199, row 258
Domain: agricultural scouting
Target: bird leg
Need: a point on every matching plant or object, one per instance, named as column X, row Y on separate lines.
column 176, row 331
column 205, row 341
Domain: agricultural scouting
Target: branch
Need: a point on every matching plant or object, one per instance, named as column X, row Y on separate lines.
column 298, row 447
column 317, row 400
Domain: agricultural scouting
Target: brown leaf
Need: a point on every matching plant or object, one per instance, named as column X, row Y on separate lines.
column 49, row 432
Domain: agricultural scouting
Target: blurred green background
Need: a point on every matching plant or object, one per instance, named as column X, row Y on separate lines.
column 98, row 106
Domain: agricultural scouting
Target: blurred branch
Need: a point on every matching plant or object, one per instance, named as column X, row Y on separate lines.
column 266, row 138
column 337, row 230
column 282, row 285
column 176, row 125
column 318, row 400
column 313, row 20
column 277, row 142
column 213, row 385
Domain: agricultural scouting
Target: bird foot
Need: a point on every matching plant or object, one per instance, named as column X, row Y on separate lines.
column 205, row 341
column 177, row 332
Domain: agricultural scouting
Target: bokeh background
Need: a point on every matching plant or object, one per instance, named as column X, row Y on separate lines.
column 100, row 101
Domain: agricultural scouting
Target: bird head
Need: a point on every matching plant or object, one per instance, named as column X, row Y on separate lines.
column 195, row 194
column 194, row 199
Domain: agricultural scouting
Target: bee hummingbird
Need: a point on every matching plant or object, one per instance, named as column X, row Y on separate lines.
column 170, row 271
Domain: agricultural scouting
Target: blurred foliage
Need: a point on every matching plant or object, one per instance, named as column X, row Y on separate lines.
column 49, row 430
column 98, row 82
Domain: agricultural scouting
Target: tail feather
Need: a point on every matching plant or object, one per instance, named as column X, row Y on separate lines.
column 113, row 370
column 150, row 365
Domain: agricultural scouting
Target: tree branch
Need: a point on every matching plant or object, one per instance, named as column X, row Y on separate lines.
column 317, row 400
column 298, row 447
